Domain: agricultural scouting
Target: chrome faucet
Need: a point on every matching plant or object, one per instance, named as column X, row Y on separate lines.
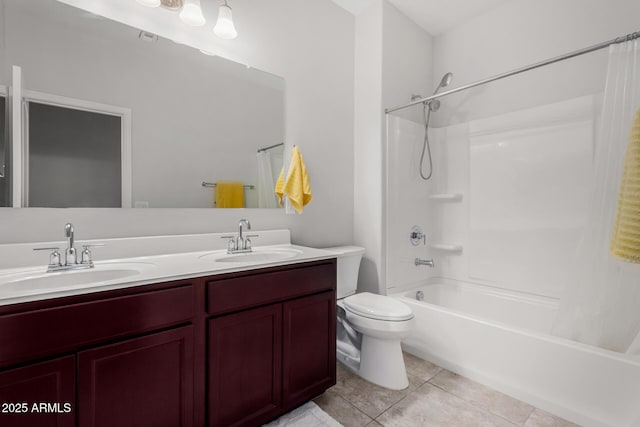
column 240, row 243
column 70, row 252
column 70, row 257
column 427, row 262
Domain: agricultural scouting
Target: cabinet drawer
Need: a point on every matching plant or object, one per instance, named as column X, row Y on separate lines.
column 240, row 292
column 39, row 333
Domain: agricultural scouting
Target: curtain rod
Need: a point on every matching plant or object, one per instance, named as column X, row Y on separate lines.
column 622, row 39
column 270, row 147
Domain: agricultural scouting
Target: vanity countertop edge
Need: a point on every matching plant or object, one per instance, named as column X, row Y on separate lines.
column 164, row 267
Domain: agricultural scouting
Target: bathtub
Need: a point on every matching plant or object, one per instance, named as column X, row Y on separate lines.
column 501, row 338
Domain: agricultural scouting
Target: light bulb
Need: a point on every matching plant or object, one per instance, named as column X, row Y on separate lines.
column 224, row 27
column 149, row 3
column 191, row 13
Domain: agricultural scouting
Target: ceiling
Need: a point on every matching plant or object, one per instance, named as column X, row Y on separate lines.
column 435, row 16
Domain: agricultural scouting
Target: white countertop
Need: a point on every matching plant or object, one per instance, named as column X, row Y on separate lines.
column 33, row 283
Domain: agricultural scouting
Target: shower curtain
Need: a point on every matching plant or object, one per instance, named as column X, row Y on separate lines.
column 601, row 301
column 266, row 183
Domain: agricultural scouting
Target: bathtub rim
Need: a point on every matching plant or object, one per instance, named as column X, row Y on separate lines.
column 632, row 359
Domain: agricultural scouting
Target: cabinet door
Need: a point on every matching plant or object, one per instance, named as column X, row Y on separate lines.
column 309, row 347
column 51, row 383
column 146, row 381
column 244, row 375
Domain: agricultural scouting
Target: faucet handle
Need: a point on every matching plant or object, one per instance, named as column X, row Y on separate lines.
column 54, row 256
column 231, row 245
column 85, row 257
column 247, row 241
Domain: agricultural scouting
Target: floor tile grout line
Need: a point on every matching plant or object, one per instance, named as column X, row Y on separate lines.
column 525, row 421
column 391, row 407
column 533, row 408
column 395, row 403
column 403, row 398
column 355, row 407
column 477, row 406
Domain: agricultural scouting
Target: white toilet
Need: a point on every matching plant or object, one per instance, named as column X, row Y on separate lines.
column 370, row 326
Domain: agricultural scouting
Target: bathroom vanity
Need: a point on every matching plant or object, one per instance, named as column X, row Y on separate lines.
column 239, row 346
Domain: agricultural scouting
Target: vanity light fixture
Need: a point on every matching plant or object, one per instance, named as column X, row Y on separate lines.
column 191, row 14
column 224, row 27
column 149, row 3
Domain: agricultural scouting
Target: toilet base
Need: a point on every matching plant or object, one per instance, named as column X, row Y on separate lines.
column 381, row 363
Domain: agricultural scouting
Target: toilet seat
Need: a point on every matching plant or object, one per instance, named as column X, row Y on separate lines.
column 378, row 307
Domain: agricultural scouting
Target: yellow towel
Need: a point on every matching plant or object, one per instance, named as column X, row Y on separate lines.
column 297, row 186
column 229, row 195
column 625, row 242
column 280, row 186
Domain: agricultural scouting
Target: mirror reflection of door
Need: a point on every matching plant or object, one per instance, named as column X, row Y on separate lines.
column 5, row 155
column 73, row 157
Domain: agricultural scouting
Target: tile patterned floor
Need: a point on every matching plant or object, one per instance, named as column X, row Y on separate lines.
column 435, row 397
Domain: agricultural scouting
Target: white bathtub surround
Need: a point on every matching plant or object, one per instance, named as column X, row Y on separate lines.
column 516, row 251
column 502, row 339
column 600, row 303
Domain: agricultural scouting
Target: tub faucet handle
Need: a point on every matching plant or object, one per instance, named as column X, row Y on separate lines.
column 417, row 235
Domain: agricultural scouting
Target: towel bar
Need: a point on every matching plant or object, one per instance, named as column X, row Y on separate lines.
column 213, row 185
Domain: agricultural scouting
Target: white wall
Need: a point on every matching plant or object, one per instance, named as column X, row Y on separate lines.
column 526, row 250
column 393, row 61
column 367, row 166
column 407, row 62
column 522, row 32
column 407, row 70
column 286, row 38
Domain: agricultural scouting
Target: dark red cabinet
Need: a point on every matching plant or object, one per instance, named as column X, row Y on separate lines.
column 145, row 381
column 268, row 360
column 236, row 349
column 245, row 357
column 309, row 347
column 51, row 382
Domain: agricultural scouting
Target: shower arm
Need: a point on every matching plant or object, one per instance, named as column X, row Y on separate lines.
column 617, row 40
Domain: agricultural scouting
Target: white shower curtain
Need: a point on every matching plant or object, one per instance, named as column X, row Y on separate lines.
column 601, row 302
column 266, row 183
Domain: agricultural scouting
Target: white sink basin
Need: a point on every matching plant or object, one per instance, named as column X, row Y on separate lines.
column 257, row 256
column 33, row 281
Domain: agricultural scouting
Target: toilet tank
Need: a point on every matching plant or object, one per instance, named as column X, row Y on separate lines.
column 347, row 269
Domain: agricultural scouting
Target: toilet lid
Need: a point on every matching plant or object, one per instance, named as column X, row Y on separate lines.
column 378, row 307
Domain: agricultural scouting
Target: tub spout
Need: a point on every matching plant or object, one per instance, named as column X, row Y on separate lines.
column 428, row 262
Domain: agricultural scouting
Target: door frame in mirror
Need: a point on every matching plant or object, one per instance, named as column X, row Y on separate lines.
column 79, row 104
column 4, row 92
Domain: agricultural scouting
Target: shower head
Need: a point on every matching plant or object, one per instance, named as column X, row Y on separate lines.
column 444, row 82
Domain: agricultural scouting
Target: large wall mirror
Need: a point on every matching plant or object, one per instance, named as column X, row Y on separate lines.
column 113, row 116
